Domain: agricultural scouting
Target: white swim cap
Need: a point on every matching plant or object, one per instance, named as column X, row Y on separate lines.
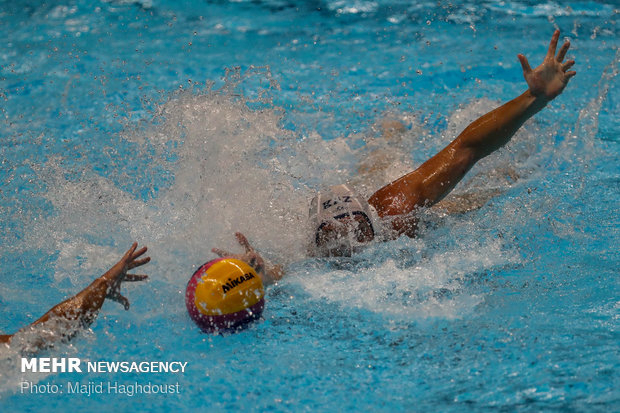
column 333, row 207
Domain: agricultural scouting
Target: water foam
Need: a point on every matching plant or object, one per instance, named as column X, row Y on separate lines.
column 432, row 287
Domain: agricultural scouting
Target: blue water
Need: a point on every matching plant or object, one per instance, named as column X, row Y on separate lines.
column 177, row 123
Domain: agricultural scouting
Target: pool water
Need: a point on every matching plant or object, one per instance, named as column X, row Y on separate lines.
column 177, row 123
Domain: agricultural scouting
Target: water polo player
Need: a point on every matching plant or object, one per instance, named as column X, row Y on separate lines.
column 64, row 320
column 344, row 221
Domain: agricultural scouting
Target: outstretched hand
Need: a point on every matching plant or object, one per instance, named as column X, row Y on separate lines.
column 269, row 273
column 118, row 273
column 250, row 256
column 85, row 305
column 550, row 78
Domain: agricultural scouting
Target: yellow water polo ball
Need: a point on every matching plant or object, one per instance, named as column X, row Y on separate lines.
column 224, row 294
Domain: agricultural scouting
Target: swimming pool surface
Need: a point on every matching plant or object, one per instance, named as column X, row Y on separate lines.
column 177, row 123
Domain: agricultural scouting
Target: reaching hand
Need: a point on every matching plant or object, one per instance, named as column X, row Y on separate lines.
column 118, row 273
column 250, row 256
column 550, row 78
column 85, row 305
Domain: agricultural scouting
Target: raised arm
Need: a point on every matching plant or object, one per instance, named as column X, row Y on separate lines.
column 436, row 177
column 82, row 309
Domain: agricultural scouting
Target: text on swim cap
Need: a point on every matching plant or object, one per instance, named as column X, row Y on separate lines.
column 232, row 283
column 341, row 199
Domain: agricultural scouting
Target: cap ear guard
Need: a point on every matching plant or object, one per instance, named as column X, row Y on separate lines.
column 360, row 214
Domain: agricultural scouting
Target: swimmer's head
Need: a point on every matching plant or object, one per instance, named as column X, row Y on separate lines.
column 343, row 222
